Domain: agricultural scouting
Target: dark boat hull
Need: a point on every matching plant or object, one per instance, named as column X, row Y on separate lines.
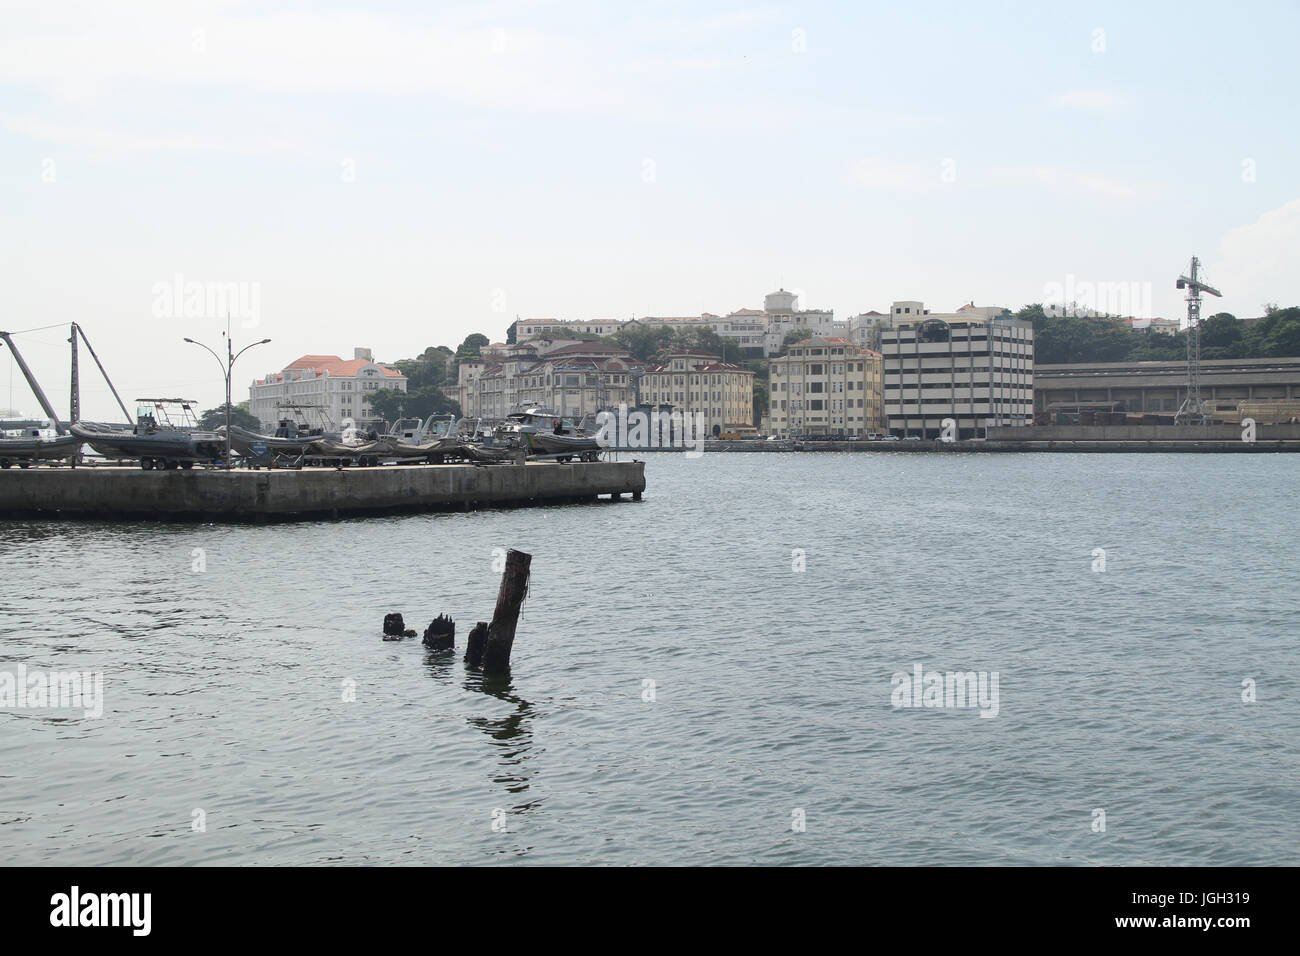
column 37, row 449
column 167, row 444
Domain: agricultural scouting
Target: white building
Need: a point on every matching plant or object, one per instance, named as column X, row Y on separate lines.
column 865, row 329
column 758, row 331
column 338, row 390
column 783, row 315
column 1162, row 326
column 563, row 328
column 974, row 366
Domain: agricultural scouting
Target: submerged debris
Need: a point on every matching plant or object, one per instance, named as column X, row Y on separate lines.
column 395, row 628
column 440, row 635
column 488, row 645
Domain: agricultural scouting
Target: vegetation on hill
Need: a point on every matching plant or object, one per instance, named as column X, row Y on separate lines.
column 1063, row 340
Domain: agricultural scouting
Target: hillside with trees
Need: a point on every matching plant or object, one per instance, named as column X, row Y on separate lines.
column 1065, row 339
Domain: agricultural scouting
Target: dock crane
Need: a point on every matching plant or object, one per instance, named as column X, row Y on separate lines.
column 74, row 398
column 1192, row 411
column 50, row 413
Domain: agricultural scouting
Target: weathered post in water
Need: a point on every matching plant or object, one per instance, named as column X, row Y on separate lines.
column 501, row 632
column 440, row 635
column 474, row 644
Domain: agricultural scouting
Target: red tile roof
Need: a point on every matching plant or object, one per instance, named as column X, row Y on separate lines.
column 333, row 365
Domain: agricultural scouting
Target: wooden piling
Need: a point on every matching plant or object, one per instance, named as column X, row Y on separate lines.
column 474, row 644
column 440, row 635
column 501, row 632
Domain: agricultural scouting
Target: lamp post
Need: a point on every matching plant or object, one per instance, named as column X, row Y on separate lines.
column 226, row 367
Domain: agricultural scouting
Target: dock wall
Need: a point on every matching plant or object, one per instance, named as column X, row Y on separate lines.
column 319, row 492
column 1215, row 433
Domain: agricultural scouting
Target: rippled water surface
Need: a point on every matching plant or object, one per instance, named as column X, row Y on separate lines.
column 1118, row 690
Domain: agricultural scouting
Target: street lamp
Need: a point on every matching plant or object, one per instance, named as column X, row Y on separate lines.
column 231, row 355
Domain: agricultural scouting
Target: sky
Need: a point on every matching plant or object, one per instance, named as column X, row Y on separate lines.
column 400, row 175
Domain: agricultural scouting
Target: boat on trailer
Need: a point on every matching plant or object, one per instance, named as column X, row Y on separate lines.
column 291, row 440
column 155, row 439
column 31, row 442
column 545, row 434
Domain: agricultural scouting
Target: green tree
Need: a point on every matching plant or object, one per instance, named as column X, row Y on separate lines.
column 760, row 399
column 472, row 346
column 239, row 415
column 644, row 341
column 391, row 404
column 1276, row 335
column 1222, row 337
column 512, row 332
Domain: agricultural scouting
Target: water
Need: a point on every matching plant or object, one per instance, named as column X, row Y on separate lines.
column 1118, row 690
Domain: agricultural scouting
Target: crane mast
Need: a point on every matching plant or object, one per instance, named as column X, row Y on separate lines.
column 1192, row 411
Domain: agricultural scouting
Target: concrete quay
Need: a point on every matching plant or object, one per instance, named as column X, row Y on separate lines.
column 1059, row 438
column 240, row 495
column 977, row 446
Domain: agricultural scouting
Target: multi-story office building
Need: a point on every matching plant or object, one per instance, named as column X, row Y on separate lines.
column 692, row 381
column 974, row 366
column 825, row 386
column 331, row 389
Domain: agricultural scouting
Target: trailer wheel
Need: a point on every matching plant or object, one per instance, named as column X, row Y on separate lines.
column 5, row 463
column 187, row 465
column 24, row 464
column 146, row 464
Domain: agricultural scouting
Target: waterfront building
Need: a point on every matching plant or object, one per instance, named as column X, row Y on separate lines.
column 339, row 389
column 1266, row 389
column 695, row 381
column 825, row 386
column 574, row 378
column 974, row 366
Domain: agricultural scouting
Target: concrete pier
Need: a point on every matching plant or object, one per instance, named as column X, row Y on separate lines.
column 1061, row 438
column 213, row 495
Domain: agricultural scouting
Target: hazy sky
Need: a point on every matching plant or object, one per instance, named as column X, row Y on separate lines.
column 391, row 177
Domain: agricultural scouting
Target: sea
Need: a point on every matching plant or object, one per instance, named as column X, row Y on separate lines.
column 772, row 659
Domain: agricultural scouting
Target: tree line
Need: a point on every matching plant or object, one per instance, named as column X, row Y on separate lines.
column 1067, row 340
column 435, row 368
